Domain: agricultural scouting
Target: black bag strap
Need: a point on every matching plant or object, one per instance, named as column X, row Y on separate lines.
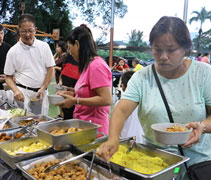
column 167, row 109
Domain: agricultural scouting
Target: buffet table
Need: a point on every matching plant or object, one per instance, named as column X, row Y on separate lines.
column 60, row 137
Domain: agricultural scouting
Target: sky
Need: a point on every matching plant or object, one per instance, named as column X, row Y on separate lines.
column 143, row 14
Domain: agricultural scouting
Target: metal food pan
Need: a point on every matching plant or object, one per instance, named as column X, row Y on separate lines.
column 36, row 117
column 11, row 125
column 4, row 105
column 173, row 160
column 86, row 136
column 21, row 113
column 15, row 144
column 11, row 132
column 98, row 172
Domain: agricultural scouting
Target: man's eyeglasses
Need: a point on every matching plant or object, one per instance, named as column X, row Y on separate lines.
column 30, row 31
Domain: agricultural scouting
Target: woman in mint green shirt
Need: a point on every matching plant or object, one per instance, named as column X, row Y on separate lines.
column 186, row 85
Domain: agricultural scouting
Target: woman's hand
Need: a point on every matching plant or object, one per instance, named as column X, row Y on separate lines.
column 69, row 100
column 195, row 134
column 107, row 149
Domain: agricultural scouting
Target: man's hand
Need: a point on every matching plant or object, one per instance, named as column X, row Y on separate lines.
column 40, row 93
column 18, row 95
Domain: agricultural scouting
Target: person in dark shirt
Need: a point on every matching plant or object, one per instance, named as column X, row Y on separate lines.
column 69, row 77
column 4, row 48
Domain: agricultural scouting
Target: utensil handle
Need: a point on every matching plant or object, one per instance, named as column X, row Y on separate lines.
column 91, row 165
column 74, row 158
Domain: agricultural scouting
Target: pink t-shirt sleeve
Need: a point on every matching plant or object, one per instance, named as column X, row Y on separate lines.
column 100, row 74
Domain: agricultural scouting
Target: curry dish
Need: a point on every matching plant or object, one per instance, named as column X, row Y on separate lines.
column 176, row 128
column 138, row 161
column 70, row 171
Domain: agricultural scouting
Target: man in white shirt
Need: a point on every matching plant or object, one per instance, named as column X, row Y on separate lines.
column 29, row 67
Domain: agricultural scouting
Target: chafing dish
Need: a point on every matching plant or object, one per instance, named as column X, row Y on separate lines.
column 11, row 125
column 99, row 173
column 42, row 118
column 15, row 144
column 85, row 136
column 4, row 105
column 173, row 160
column 12, row 133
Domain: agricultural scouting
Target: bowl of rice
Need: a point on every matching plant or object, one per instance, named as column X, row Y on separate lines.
column 171, row 133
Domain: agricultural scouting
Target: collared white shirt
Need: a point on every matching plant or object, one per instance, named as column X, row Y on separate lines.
column 29, row 63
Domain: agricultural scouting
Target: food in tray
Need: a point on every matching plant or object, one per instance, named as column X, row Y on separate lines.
column 34, row 147
column 28, row 122
column 25, row 122
column 62, row 131
column 65, row 172
column 176, row 128
column 6, row 137
column 34, row 99
column 17, row 112
column 6, row 126
column 138, row 161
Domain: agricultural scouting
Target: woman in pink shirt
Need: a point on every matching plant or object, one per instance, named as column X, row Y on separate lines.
column 206, row 58
column 92, row 98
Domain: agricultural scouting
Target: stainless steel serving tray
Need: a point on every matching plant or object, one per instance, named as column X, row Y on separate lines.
column 11, row 125
column 46, row 118
column 4, row 105
column 98, row 172
column 86, row 136
column 173, row 160
column 15, row 144
column 11, row 132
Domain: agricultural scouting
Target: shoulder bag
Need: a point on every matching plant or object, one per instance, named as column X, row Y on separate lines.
column 199, row 171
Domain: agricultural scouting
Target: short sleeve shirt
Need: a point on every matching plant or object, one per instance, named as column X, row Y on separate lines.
column 96, row 75
column 29, row 63
column 186, row 96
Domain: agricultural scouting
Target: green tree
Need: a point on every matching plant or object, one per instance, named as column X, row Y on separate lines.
column 201, row 17
column 135, row 38
column 205, row 44
column 52, row 14
column 49, row 14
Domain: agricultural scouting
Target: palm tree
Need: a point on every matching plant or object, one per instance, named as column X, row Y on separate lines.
column 201, row 17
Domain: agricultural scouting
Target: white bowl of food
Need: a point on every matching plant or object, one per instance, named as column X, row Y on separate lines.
column 171, row 133
column 55, row 99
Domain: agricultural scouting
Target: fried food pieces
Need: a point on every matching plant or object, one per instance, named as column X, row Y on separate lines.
column 70, row 171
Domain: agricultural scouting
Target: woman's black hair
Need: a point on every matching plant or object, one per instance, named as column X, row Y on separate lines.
column 62, row 45
column 176, row 27
column 199, row 54
column 87, row 46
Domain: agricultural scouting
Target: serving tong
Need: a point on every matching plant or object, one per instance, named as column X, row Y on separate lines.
column 132, row 142
column 55, row 166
